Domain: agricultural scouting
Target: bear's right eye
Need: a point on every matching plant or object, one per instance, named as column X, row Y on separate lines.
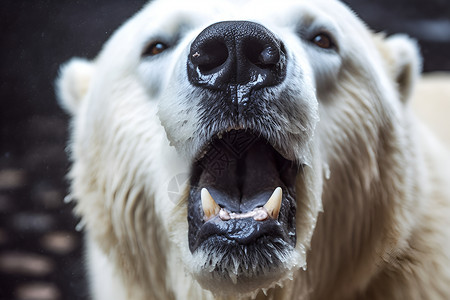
column 155, row 48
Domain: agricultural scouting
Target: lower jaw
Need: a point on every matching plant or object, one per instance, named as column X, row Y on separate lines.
column 231, row 268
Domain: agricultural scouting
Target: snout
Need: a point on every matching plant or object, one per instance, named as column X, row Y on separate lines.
column 235, row 63
column 236, row 53
column 253, row 116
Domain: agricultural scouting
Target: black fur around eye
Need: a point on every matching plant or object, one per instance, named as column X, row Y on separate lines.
column 324, row 41
column 155, row 48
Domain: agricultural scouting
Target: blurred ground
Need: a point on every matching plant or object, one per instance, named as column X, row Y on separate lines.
column 40, row 248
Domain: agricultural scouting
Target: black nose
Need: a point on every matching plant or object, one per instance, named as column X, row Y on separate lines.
column 236, row 53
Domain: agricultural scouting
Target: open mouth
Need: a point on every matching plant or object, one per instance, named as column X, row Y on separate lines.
column 242, row 204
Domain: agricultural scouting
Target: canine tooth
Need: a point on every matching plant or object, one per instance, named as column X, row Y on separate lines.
column 210, row 207
column 274, row 203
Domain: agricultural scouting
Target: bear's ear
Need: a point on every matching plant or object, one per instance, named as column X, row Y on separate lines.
column 404, row 63
column 73, row 82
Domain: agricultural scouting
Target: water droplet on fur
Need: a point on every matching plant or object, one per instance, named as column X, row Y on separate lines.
column 326, row 169
column 68, row 199
column 79, row 226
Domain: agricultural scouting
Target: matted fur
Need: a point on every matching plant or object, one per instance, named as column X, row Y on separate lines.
column 373, row 198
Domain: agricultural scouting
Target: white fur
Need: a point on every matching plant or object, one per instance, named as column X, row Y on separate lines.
column 380, row 179
column 72, row 87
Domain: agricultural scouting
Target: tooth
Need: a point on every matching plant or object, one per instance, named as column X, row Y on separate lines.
column 260, row 214
column 224, row 215
column 274, row 203
column 210, row 207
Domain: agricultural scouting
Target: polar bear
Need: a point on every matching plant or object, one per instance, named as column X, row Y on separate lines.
column 258, row 149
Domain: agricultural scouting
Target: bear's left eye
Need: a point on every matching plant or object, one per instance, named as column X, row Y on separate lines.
column 155, row 48
column 324, row 41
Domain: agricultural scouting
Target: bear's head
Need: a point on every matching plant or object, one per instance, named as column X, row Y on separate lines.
column 213, row 133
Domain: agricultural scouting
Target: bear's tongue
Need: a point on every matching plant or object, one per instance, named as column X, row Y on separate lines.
column 240, row 171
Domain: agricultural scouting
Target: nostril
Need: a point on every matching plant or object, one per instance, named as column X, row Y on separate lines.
column 269, row 56
column 262, row 55
column 210, row 56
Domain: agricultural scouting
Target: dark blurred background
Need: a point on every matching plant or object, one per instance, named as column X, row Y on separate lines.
column 40, row 248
